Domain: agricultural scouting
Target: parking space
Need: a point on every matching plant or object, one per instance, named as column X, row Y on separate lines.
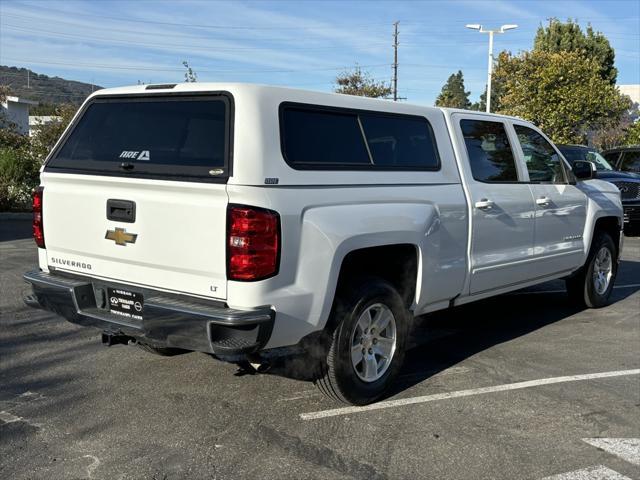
column 71, row 408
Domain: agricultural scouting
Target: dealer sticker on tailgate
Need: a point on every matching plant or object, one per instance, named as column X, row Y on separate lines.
column 125, row 303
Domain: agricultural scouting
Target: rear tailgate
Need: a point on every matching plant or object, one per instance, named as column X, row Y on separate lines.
column 136, row 193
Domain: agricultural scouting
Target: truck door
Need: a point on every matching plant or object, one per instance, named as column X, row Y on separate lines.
column 502, row 206
column 561, row 208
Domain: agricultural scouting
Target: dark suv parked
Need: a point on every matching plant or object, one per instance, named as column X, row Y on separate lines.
column 627, row 181
column 625, row 159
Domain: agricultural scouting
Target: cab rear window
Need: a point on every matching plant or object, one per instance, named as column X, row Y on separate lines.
column 149, row 136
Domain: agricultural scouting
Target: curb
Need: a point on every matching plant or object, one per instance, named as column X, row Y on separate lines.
column 16, row 216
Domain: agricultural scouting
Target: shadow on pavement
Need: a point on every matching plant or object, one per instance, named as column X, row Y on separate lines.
column 443, row 339
column 15, row 230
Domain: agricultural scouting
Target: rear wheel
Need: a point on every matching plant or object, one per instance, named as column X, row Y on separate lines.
column 592, row 285
column 366, row 348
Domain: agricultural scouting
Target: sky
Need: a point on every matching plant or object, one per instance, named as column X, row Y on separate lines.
column 302, row 44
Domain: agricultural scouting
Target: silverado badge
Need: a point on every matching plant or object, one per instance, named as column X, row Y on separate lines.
column 121, row 237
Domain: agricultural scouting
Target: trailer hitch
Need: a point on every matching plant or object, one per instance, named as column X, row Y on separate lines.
column 110, row 338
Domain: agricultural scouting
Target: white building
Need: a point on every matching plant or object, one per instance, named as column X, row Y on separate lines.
column 16, row 111
column 632, row 91
column 37, row 121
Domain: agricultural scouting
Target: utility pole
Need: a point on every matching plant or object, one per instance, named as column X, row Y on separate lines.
column 395, row 61
column 28, row 78
column 502, row 29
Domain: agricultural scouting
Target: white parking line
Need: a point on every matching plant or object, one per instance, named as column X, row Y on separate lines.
column 633, row 285
column 7, row 417
column 627, row 449
column 592, row 473
column 464, row 393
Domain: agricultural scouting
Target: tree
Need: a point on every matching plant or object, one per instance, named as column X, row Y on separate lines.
column 48, row 134
column 563, row 93
column 21, row 157
column 633, row 134
column 617, row 134
column 190, row 76
column 453, row 93
column 569, row 37
column 362, row 84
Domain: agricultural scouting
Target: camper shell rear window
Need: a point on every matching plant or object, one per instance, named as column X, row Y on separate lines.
column 184, row 137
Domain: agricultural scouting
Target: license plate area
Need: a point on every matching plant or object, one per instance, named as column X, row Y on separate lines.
column 125, row 303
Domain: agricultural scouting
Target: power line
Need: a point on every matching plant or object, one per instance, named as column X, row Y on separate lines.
column 190, row 47
column 286, row 27
column 211, row 26
column 176, row 69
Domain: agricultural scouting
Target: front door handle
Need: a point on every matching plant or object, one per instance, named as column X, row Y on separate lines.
column 484, row 204
column 543, row 201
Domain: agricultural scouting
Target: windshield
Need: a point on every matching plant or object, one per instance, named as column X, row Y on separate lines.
column 158, row 136
column 573, row 154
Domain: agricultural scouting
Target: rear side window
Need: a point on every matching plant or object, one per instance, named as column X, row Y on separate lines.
column 324, row 138
column 400, row 141
column 331, row 138
column 489, row 151
column 166, row 136
column 611, row 157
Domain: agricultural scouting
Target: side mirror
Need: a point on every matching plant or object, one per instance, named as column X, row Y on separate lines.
column 583, row 170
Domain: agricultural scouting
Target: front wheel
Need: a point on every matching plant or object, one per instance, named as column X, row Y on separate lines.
column 366, row 348
column 592, row 285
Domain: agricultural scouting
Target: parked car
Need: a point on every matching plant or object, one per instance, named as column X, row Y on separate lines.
column 249, row 222
column 627, row 181
column 625, row 159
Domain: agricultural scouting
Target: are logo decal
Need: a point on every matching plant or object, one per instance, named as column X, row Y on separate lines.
column 136, row 154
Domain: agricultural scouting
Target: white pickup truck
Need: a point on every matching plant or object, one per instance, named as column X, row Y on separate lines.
column 250, row 221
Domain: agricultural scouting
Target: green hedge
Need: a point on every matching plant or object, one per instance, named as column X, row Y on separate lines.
column 18, row 177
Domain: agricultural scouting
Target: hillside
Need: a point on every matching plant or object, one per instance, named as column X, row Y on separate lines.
column 44, row 89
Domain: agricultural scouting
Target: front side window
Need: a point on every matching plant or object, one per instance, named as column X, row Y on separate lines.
column 599, row 160
column 543, row 162
column 332, row 138
column 489, row 151
column 630, row 162
column 572, row 154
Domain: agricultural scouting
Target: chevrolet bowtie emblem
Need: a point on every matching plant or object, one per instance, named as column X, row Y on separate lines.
column 120, row 236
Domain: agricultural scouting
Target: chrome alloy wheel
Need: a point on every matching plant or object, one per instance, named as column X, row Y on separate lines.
column 373, row 342
column 602, row 270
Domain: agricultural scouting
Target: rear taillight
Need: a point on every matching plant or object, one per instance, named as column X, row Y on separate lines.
column 253, row 243
column 38, row 230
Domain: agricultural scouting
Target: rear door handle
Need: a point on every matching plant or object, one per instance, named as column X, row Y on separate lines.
column 543, row 201
column 484, row 204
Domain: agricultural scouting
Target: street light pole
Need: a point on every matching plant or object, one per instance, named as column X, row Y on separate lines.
column 489, row 71
column 480, row 29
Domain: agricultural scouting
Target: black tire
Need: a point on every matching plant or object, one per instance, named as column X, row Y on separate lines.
column 336, row 377
column 580, row 286
column 162, row 351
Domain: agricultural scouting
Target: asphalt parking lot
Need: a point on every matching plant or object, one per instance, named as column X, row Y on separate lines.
column 72, row 408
